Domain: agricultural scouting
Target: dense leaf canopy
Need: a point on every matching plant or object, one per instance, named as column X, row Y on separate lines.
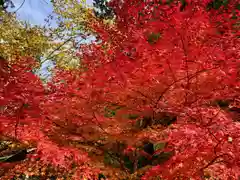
column 156, row 95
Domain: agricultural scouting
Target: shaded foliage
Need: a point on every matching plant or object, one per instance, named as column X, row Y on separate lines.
column 4, row 4
column 102, row 10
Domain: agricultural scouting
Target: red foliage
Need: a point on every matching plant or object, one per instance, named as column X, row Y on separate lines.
column 21, row 95
column 156, row 58
column 22, row 117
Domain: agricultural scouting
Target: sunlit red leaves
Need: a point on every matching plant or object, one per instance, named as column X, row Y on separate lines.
column 202, row 144
column 168, row 62
column 21, row 96
column 183, row 70
column 197, row 68
column 64, row 156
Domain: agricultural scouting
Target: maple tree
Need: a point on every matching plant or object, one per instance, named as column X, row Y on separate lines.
column 154, row 97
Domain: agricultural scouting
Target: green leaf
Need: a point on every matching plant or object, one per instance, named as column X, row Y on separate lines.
column 111, row 111
column 153, row 37
column 238, row 6
column 169, row 2
column 5, row 158
column 111, row 159
column 143, row 161
column 140, row 14
column 222, row 103
column 128, row 163
column 101, row 176
column 162, row 157
column 159, row 146
column 26, row 105
column 133, row 116
column 216, row 4
column 61, row 54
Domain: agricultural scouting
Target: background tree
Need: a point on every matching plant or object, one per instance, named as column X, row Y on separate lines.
column 20, row 39
column 74, row 28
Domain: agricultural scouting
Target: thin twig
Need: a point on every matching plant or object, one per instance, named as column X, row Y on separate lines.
column 45, row 1
column 173, row 83
column 18, row 119
column 58, row 48
column 20, row 6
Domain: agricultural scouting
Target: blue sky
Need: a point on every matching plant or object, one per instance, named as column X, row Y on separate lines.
column 34, row 11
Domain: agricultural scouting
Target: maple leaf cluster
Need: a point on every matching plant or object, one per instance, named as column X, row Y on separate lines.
column 160, row 73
